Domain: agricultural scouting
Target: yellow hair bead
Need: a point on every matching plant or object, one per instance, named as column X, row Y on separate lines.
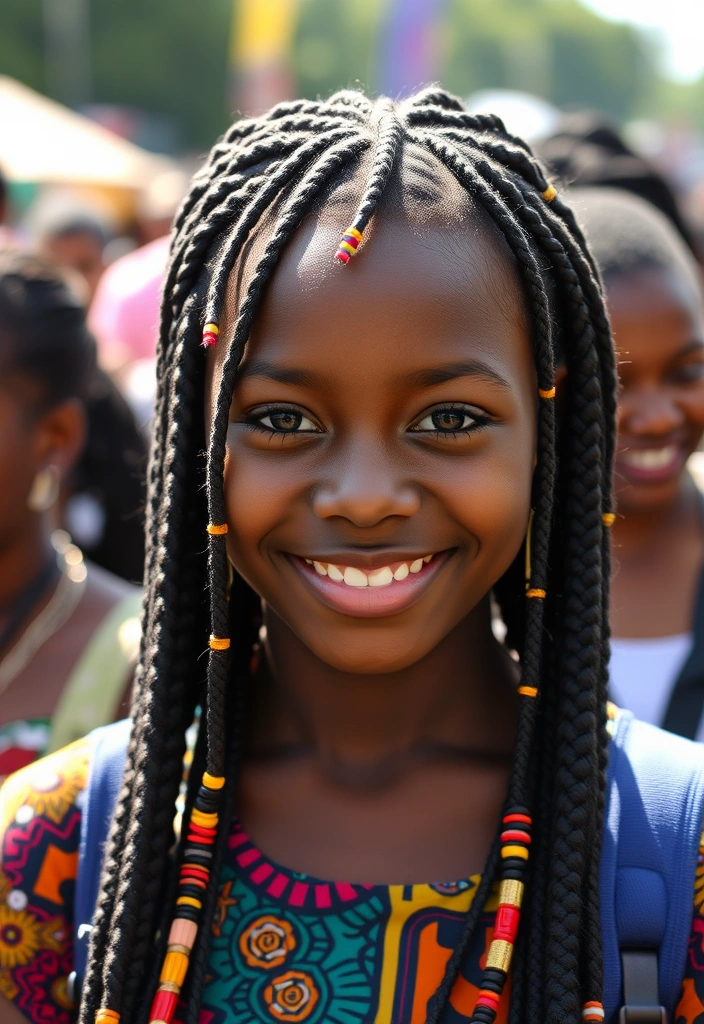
column 213, row 781
column 203, row 819
column 216, row 529
column 348, row 248
column 174, row 969
column 536, row 592
column 550, row 393
column 355, row 233
column 107, row 1017
column 219, row 643
column 499, row 955
column 188, row 901
column 549, row 193
column 608, row 518
column 514, row 851
column 211, row 329
column 511, row 892
column 528, row 691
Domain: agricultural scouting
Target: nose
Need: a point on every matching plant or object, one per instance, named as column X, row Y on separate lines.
column 366, row 487
column 649, row 412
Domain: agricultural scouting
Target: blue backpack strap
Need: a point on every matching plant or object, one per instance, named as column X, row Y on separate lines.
column 655, row 805
column 104, row 779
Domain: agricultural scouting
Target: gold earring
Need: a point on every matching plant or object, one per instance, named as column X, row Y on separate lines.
column 44, row 490
column 529, row 534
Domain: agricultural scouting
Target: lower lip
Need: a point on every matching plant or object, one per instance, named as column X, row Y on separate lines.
column 371, row 602
column 661, row 474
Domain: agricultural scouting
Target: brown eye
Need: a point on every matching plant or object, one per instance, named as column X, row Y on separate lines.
column 450, row 420
column 285, row 421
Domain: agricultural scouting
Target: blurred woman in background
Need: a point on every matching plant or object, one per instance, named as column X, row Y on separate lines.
column 654, row 297
column 68, row 630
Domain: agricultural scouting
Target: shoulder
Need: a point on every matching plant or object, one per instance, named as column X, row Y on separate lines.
column 40, row 817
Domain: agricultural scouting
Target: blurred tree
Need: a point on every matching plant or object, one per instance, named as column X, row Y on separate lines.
column 169, row 58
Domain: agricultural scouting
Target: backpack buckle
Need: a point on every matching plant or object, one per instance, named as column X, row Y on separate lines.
column 641, row 996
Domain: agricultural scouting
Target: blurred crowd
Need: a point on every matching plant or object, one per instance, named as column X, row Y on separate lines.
column 79, row 309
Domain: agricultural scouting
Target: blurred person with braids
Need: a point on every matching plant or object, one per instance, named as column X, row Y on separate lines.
column 351, row 457
column 587, row 149
column 67, row 629
column 655, row 300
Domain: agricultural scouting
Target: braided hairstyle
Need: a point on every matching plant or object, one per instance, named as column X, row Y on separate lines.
column 273, row 170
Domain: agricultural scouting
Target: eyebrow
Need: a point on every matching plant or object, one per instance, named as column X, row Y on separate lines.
column 420, row 379
column 452, row 371
column 280, row 374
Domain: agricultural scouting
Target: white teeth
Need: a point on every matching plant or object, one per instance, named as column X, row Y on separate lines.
column 355, row 577
column 381, row 577
column 650, row 458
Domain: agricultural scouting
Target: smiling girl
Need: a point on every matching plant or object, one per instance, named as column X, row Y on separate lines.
column 654, row 293
column 384, row 799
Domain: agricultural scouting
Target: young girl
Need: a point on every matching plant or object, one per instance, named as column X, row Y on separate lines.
column 383, row 457
column 657, row 611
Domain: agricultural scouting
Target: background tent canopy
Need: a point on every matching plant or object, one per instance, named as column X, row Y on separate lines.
column 45, row 143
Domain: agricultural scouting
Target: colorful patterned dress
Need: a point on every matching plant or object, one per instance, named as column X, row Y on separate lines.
column 286, row 947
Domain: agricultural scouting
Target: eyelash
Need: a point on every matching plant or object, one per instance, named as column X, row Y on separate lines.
column 477, row 423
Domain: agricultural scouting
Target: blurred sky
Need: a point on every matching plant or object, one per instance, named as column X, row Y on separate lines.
column 677, row 25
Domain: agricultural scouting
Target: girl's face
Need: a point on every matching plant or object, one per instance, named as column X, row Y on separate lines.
column 382, row 436
column 659, row 335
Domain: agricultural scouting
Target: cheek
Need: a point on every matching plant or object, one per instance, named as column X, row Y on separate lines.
column 491, row 498
column 692, row 404
column 259, row 496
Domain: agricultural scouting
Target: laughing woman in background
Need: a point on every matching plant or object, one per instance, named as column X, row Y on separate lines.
column 654, row 297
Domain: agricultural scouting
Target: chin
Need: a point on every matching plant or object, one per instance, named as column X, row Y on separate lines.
column 636, row 498
column 363, row 654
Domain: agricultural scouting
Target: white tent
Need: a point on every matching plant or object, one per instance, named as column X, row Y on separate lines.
column 45, row 143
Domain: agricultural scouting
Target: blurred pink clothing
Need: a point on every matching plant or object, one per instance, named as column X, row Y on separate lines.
column 124, row 315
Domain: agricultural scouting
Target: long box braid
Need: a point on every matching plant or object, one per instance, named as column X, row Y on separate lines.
column 279, row 166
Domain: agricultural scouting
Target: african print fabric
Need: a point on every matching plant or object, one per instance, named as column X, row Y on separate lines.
column 286, row 947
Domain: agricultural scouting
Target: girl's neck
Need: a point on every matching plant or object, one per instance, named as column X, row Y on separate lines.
column 21, row 561
column 460, row 695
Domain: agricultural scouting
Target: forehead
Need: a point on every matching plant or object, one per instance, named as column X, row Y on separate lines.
column 433, row 278
column 653, row 292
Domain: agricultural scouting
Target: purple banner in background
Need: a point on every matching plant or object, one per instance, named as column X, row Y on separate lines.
column 409, row 45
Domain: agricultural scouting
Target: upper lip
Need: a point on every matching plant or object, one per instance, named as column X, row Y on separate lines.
column 643, row 445
column 370, row 560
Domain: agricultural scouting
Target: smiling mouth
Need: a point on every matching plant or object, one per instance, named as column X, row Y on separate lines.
column 382, row 577
column 652, row 464
column 370, row 593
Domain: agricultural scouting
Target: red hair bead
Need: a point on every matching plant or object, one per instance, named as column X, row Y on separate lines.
column 506, row 923
column 164, row 1006
column 210, row 335
column 349, row 245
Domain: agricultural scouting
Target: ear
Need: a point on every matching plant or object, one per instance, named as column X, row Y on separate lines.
column 59, row 436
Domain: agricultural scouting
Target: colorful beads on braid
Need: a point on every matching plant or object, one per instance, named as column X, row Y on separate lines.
column 515, row 844
column 593, row 1011
column 349, row 244
column 210, row 335
column 194, row 876
column 107, row 1017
